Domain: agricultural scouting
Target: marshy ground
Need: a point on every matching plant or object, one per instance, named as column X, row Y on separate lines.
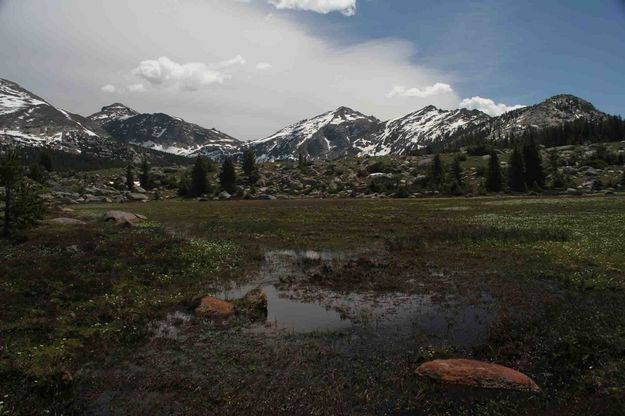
column 98, row 319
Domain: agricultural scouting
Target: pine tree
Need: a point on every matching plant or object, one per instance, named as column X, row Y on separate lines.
column 456, row 170
column 493, row 177
column 145, row 179
column 533, row 164
column 45, row 161
column 249, row 166
column 199, row 184
column 23, row 205
column 516, row 173
column 437, row 171
column 227, row 176
column 130, row 177
column 301, row 162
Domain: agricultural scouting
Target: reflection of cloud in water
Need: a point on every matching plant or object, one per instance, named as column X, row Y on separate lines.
column 371, row 316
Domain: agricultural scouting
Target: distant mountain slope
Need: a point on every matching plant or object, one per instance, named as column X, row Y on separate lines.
column 425, row 127
column 166, row 133
column 112, row 112
column 345, row 132
column 330, row 135
column 552, row 112
column 28, row 121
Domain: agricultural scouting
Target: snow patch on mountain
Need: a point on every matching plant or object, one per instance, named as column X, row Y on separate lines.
column 13, row 98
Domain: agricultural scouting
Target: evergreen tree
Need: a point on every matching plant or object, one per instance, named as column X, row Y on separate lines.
column 437, row 171
column 130, row 177
column 37, row 173
column 145, row 179
column 456, row 170
column 228, row 176
column 533, row 164
column 249, row 166
column 493, row 177
column 23, row 205
column 199, row 184
column 302, row 162
column 45, row 161
column 554, row 161
column 516, row 173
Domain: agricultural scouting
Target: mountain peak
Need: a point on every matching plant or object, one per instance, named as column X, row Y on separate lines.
column 116, row 106
column 115, row 111
column 569, row 101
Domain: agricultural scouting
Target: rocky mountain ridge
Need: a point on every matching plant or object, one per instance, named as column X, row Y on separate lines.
column 28, row 120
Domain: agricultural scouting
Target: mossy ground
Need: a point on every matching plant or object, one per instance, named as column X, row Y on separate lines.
column 77, row 302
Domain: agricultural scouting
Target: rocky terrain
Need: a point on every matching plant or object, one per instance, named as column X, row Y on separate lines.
column 27, row 120
column 369, row 177
column 165, row 133
column 552, row 112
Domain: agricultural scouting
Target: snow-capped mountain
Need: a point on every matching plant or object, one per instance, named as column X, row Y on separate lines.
column 346, row 132
column 167, row 134
column 112, row 112
column 331, row 135
column 552, row 112
column 428, row 126
column 28, row 120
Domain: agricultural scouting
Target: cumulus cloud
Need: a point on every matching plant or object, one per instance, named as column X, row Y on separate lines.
column 263, row 66
column 109, row 89
column 137, row 88
column 487, row 106
column 429, row 91
column 347, row 7
column 188, row 77
column 311, row 73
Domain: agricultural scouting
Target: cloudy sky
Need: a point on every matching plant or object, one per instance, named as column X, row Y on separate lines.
column 250, row 67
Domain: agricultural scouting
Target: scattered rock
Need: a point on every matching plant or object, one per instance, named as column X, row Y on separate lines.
column 253, row 304
column 66, row 221
column 134, row 196
column 213, row 308
column 224, row 195
column 121, row 217
column 477, row 374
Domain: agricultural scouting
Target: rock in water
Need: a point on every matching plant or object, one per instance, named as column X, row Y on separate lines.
column 477, row 374
column 213, row 308
column 254, row 303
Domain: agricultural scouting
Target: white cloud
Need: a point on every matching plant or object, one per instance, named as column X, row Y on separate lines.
column 487, row 106
column 429, row 91
column 347, row 7
column 109, row 89
column 263, row 66
column 137, row 88
column 237, row 60
column 311, row 73
column 187, row 77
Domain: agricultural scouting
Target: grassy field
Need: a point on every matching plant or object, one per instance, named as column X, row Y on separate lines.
column 79, row 302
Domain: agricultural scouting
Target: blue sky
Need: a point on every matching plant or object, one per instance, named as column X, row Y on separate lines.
column 511, row 51
column 251, row 67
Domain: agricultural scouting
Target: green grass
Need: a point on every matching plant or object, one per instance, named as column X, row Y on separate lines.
column 74, row 295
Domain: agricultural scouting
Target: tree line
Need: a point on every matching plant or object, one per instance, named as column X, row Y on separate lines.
column 198, row 183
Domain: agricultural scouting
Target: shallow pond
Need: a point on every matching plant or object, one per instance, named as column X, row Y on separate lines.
column 305, row 308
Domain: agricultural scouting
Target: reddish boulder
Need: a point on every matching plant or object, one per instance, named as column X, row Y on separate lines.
column 214, row 308
column 477, row 374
